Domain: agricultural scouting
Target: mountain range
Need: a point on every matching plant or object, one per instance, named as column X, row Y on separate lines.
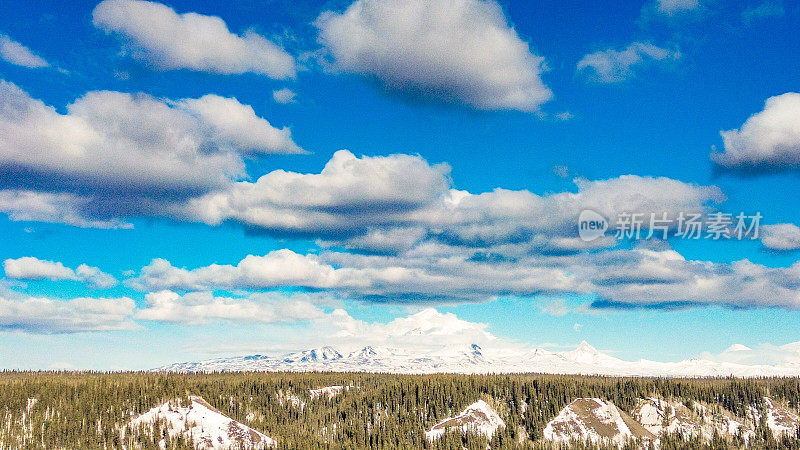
column 585, row 360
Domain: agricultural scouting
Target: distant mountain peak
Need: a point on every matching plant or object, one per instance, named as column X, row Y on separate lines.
column 585, row 347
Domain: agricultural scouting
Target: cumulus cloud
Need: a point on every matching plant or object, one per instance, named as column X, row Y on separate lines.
column 167, row 40
column 276, row 269
column 781, row 237
column 390, row 203
column 666, row 279
column 426, row 329
column 237, row 125
column 31, row 268
column 460, row 51
column 359, row 190
column 43, row 315
column 366, row 277
column 284, row 96
column 15, row 53
column 135, row 146
column 197, row 308
column 768, row 141
column 613, row 66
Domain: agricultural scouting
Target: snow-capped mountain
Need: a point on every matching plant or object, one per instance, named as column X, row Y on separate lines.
column 473, row 359
column 314, row 355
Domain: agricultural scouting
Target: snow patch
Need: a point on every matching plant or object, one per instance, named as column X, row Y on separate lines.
column 328, row 391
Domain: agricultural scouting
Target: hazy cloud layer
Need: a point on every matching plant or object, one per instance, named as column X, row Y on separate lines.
column 765, row 10
column 767, row 142
column 613, row 66
column 66, row 208
column 284, row 96
column 615, row 278
column 198, row 308
column 15, row 53
column 50, row 316
column 671, row 7
column 166, row 40
column 461, row 51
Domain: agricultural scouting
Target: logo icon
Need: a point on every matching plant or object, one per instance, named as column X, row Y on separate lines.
column 591, row 225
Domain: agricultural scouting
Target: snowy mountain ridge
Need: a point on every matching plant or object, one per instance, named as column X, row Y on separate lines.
column 585, row 360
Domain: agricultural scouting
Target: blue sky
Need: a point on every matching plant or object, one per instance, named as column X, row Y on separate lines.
column 581, row 105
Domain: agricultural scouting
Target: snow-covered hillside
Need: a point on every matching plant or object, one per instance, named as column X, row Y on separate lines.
column 668, row 417
column 597, row 421
column 478, row 417
column 780, row 419
column 207, row 427
column 473, row 359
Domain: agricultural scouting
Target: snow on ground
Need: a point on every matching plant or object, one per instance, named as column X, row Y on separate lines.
column 209, row 428
column 478, row 417
column 594, row 420
column 290, row 399
column 328, row 391
column 660, row 416
column 780, row 419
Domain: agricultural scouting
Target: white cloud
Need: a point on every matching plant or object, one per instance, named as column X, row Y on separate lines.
column 424, row 330
column 671, row 7
column 135, row 145
column 284, row 96
column 31, row 268
column 767, row 141
column 455, row 51
column 612, row 66
column 15, row 53
column 277, row 268
column 201, row 307
column 349, row 192
column 168, row 40
column 565, row 116
column 783, row 236
column 49, row 316
column 237, row 125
